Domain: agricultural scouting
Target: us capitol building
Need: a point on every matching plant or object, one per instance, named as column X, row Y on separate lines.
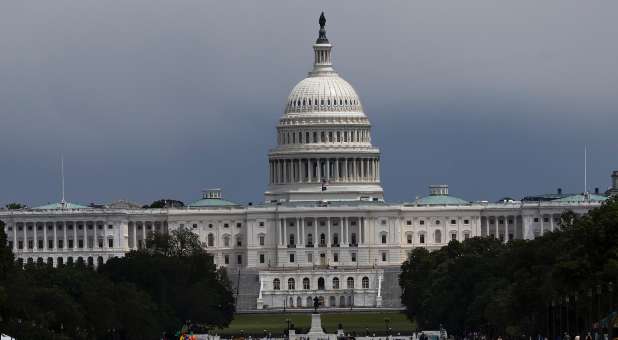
column 324, row 228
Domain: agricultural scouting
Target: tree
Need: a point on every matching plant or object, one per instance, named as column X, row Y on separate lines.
column 15, row 206
column 180, row 276
column 482, row 284
column 165, row 203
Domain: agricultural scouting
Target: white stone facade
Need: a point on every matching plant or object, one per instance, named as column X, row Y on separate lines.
column 324, row 215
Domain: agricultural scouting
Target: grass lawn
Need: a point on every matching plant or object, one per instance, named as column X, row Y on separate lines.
column 357, row 321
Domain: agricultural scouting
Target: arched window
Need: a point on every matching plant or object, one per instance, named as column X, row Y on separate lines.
column 321, row 283
column 438, row 236
column 299, row 302
column 336, row 283
column 306, row 283
column 350, row 282
column 211, row 240
column 276, row 284
column 291, row 284
column 365, row 282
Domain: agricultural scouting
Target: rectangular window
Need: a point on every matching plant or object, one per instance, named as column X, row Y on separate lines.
column 100, row 243
column 261, row 240
column 545, row 219
column 437, row 222
column 30, row 244
column 409, row 222
column 409, row 237
column 466, row 222
column 10, row 244
column 384, row 257
column 422, row 222
column 71, row 244
column 261, row 258
column 80, row 243
column 466, row 236
column 353, row 257
column 453, row 222
column 110, row 226
column 238, row 225
column 20, row 244
column 239, row 259
column 50, row 244
column 194, row 226
column 226, row 259
column 383, row 222
column 536, row 219
column 40, row 244
column 453, row 236
column 110, row 242
column 291, row 258
column 60, row 244
column 261, row 224
column 335, row 257
column 421, row 238
column 309, row 258
column 225, row 225
column 383, row 238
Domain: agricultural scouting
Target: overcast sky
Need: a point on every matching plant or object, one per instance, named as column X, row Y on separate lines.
column 152, row 99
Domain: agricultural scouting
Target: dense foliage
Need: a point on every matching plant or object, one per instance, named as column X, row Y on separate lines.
column 15, row 206
column 558, row 282
column 140, row 296
column 164, row 203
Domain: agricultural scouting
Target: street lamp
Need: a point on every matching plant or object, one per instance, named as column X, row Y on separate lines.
column 599, row 302
column 567, row 300
column 589, row 327
column 386, row 323
column 610, row 291
column 288, row 322
column 575, row 310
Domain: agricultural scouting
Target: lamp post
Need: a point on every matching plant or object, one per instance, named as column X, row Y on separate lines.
column 568, row 328
column 589, row 326
column 610, row 292
column 553, row 318
column 288, row 322
column 575, row 312
column 599, row 302
column 386, row 323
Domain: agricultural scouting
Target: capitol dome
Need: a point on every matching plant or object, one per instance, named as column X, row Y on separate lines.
column 324, row 150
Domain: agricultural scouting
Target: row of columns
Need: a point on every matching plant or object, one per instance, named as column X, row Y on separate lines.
column 64, row 235
column 134, row 230
column 527, row 221
column 314, row 170
column 309, row 137
column 344, row 224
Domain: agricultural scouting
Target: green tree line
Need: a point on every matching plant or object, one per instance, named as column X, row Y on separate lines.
column 143, row 295
column 560, row 282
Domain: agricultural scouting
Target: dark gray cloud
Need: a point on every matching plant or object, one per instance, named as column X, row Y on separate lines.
column 150, row 99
